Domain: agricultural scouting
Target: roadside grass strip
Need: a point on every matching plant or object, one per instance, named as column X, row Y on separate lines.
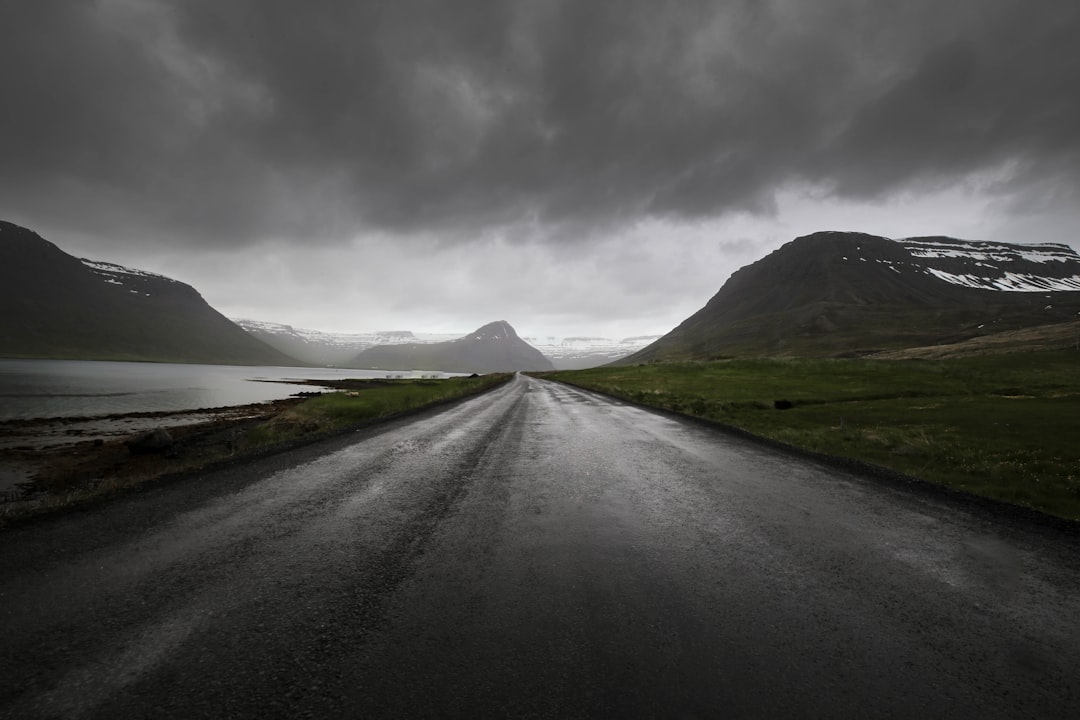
column 1001, row 426
column 359, row 402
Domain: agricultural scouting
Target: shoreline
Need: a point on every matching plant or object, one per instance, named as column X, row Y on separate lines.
column 41, row 456
column 52, row 464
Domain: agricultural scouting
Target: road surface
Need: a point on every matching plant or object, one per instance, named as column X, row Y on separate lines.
column 539, row 551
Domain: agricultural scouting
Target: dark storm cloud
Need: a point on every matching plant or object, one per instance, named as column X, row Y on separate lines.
column 998, row 89
column 228, row 121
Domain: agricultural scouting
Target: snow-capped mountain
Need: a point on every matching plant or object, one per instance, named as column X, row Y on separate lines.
column 326, row 348
column 130, row 278
column 575, row 353
column 848, row 293
column 996, row 266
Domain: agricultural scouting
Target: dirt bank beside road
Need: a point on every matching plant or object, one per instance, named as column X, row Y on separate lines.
column 53, row 456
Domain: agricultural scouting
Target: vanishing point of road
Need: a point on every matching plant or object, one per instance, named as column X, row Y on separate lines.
column 538, row 551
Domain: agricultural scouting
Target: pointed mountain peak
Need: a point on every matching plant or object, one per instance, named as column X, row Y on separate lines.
column 495, row 347
column 498, row 330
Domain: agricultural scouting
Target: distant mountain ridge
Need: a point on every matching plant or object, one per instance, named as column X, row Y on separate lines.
column 338, row 349
column 575, row 353
column 327, row 348
column 841, row 293
column 54, row 305
column 495, row 347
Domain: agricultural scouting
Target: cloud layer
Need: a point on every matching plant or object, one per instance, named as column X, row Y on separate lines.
column 213, row 125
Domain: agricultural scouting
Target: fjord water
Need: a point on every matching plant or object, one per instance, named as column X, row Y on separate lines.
column 84, row 388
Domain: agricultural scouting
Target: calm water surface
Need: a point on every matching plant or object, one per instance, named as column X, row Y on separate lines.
column 81, row 388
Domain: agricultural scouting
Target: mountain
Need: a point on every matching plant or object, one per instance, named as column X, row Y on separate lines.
column 1056, row 336
column 54, row 305
column 845, row 293
column 576, row 353
column 493, row 348
column 338, row 349
column 326, row 348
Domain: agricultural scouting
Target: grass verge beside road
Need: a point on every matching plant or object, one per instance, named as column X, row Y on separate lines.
column 1001, row 426
column 364, row 401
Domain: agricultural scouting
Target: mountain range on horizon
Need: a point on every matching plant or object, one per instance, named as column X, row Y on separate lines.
column 54, row 305
column 330, row 349
column 578, row 353
column 824, row 294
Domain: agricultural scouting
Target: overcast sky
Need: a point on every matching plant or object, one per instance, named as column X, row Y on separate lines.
column 573, row 167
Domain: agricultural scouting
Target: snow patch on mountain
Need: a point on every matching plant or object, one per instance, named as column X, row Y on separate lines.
column 1046, row 267
column 996, row 266
column 114, row 274
column 988, row 252
column 352, row 341
column 1017, row 282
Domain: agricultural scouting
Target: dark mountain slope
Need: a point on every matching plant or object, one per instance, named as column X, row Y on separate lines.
column 495, row 347
column 835, row 293
column 53, row 305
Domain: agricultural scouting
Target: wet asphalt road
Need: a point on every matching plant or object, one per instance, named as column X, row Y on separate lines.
column 538, row 552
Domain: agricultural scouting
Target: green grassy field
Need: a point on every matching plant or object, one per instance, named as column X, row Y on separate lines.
column 365, row 401
column 1003, row 426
